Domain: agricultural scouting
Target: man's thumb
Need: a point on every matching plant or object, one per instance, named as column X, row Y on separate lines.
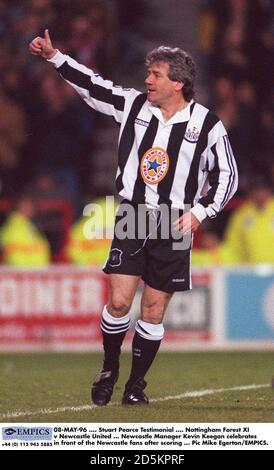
column 47, row 36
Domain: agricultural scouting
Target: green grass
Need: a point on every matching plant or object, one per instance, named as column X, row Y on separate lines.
column 31, row 382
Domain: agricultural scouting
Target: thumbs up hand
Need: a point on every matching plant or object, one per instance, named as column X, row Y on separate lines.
column 42, row 46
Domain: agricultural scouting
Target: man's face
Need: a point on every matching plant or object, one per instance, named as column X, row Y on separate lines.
column 160, row 89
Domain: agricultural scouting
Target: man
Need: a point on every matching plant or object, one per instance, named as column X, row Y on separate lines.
column 169, row 146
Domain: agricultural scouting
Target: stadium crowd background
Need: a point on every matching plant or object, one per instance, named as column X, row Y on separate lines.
column 52, row 145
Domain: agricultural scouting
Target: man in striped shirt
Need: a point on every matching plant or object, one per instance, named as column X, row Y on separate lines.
column 173, row 153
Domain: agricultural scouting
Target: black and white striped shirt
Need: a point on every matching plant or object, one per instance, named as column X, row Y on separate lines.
column 186, row 160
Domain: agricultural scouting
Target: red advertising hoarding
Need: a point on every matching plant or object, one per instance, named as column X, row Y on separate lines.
column 60, row 308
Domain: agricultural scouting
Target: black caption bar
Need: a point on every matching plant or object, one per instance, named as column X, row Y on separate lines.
column 124, row 459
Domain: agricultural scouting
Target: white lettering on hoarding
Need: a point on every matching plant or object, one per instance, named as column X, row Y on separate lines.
column 42, row 297
column 66, row 306
column 63, row 296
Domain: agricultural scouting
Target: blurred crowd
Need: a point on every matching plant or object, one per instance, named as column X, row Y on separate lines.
column 44, row 127
column 237, row 37
column 47, row 134
column 237, row 41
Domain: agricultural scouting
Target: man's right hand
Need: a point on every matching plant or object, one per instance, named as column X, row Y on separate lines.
column 43, row 46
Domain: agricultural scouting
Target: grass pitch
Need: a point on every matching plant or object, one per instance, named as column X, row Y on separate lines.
column 55, row 387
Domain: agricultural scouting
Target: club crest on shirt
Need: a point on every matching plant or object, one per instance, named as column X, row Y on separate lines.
column 154, row 165
column 192, row 135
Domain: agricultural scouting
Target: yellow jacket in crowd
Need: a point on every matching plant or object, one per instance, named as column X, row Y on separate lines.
column 250, row 233
column 81, row 250
column 22, row 244
column 219, row 256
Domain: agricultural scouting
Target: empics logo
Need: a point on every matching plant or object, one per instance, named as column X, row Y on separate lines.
column 9, row 431
column 27, row 433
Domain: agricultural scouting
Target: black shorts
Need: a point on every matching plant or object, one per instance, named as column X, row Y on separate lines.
column 148, row 254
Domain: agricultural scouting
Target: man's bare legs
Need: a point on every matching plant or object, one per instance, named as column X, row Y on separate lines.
column 114, row 324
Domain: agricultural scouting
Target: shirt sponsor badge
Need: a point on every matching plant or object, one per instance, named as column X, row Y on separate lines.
column 154, row 165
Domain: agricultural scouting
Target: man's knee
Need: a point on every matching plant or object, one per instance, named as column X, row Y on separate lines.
column 153, row 312
column 119, row 305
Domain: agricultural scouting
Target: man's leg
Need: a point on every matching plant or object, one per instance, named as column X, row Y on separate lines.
column 146, row 342
column 114, row 325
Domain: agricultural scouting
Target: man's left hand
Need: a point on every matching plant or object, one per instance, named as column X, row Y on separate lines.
column 187, row 223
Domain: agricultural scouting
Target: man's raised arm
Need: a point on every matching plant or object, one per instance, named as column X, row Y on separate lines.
column 101, row 95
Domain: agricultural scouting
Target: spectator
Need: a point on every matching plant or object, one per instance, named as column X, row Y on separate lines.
column 250, row 232
column 265, row 142
column 12, row 138
column 48, row 192
column 239, row 46
column 92, row 250
column 212, row 251
column 130, row 40
column 22, row 243
column 60, row 143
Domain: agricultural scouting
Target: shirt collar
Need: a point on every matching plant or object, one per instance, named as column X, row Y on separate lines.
column 180, row 116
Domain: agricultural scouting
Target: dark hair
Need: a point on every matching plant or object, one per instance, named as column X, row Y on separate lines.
column 182, row 67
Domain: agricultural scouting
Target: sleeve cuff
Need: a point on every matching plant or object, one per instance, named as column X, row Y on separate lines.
column 58, row 59
column 199, row 212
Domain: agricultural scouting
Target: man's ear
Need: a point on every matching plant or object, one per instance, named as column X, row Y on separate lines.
column 179, row 86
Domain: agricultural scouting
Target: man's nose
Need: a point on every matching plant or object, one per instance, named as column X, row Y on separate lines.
column 148, row 80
